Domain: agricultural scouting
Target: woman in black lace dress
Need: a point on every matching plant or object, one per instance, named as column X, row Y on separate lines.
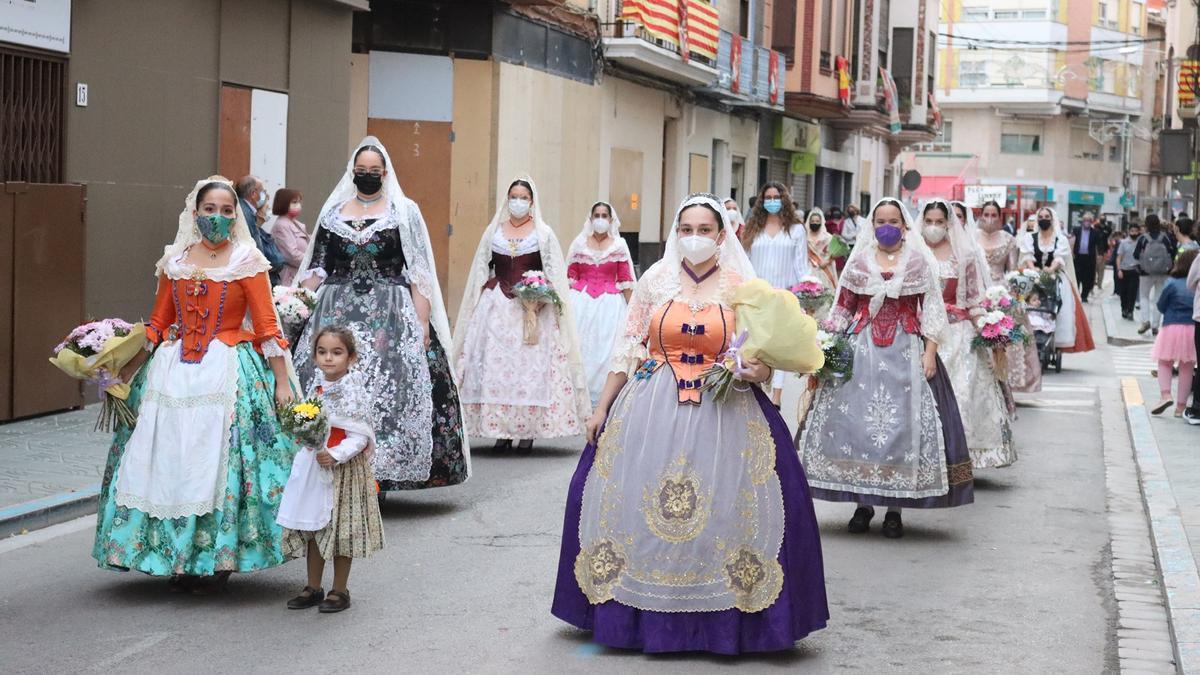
column 372, row 260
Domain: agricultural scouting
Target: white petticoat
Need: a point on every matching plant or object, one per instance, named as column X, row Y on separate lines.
column 599, row 320
column 307, row 503
column 177, row 457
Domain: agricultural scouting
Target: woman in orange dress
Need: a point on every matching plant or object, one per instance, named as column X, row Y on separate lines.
column 192, row 489
column 823, row 265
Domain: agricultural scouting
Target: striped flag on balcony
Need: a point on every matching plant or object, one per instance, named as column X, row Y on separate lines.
column 660, row 18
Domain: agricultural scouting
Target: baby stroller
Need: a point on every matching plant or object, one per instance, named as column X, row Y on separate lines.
column 1042, row 309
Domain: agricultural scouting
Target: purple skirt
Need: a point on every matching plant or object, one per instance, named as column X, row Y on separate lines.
column 958, row 459
column 800, row 609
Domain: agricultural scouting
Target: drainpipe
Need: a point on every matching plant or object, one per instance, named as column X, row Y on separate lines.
column 751, row 27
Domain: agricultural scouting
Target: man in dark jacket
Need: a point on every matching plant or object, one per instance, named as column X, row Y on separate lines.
column 1086, row 243
column 253, row 197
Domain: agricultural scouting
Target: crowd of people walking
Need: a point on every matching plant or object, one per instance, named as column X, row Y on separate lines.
column 689, row 521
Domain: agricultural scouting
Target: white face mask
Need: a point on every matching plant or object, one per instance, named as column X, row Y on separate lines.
column 696, row 249
column 934, row 234
column 600, row 225
column 735, row 216
column 518, row 207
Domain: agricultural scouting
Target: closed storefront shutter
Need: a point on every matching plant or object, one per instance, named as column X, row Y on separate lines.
column 800, row 191
column 777, row 170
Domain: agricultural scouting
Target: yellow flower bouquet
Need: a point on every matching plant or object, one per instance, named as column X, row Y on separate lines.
column 780, row 333
column 96, row 352
column 304, row 421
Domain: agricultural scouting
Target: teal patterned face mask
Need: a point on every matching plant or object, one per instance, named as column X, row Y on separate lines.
column 215, row 227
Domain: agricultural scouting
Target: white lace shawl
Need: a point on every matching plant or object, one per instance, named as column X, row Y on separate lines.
column 919, row 276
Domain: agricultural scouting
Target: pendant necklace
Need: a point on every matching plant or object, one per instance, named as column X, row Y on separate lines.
column 514, row 244
column 367, row 202
column 213, row 250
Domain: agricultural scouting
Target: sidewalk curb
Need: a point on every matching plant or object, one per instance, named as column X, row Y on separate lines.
column 1172, row 550
column 1111, row 309
column 48, row 511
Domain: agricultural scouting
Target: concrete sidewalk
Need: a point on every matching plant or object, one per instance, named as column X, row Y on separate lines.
column 50, row 469
column 1121, row 332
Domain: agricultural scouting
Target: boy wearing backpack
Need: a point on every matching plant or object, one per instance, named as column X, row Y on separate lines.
column 1155, row 253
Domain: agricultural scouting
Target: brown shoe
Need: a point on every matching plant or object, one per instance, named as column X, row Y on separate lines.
column 309, row 597
column 335, row 601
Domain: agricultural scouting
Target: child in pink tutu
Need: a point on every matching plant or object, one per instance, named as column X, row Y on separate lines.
column 1175, row 343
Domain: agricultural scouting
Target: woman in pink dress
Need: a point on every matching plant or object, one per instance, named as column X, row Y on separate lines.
column 290, row 235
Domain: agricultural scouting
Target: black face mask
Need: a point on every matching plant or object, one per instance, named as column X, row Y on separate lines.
column 1044, row 224
column 368, row 183
column 814, row 226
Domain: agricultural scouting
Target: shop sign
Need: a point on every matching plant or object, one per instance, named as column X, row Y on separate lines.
column 977, row 195
column 796, row 136
column 803, row 163
column 45, row 24
column 1087, row 198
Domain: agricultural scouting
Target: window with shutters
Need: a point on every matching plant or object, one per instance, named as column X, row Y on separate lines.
column 1021, row 138
column 31, row 117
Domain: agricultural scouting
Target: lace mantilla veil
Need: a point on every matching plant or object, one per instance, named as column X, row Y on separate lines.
column 553, row 265
column 244, row 261
column 660, row 284
column 615, row 241
column 968, row 255
column 915, row 273
column 414, row 234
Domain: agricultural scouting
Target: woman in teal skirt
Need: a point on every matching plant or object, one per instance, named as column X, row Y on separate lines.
column 191, row 491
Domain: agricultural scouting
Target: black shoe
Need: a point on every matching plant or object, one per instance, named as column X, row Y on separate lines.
column 309, row 597
column 861, row 522
column 893, row 527
column 502, row 445
column 335, row 601
column 181, row 583
column 1192, row 416
column 525, row 447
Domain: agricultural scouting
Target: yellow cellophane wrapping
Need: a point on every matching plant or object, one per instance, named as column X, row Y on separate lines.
column 782, row 335
column 117, row 352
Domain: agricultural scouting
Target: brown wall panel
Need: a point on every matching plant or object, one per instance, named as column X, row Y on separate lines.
column 6, row 298
column 421, row 154
column 234, row 155
column 48, row 278
column 255, row 43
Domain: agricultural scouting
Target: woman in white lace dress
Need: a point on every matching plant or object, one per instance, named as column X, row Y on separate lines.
column 963, row 273
column 511, row 389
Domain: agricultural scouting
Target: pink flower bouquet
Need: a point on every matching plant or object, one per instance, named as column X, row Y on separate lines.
column 96, row 352
column 812, row 294
column 294, row 305
column 534, row 290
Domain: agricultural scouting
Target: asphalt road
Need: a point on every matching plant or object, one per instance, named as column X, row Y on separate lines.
column 1017, row 582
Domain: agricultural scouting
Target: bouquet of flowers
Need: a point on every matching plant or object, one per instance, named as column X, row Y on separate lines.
column 839, row 356
column 998, row 329
column 534, row 290
column 719, row 376
column 838, row 248
column 294, row 304
column 812, row 294
column 96, row 352
column 304, row 421
column 1022, row 283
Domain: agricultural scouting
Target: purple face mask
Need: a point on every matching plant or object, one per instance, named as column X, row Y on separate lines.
column 888, row 235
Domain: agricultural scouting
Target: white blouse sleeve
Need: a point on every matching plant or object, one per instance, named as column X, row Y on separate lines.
column 800, row 265
column 353, row 444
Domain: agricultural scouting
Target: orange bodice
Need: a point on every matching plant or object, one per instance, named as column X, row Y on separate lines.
column 197, row 311
column 689, row 343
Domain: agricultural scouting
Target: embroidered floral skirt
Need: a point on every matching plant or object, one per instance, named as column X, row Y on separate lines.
column 511, row 389
column 981, row 402
column 355, row 529
column 887, row 436
column 418, row 420
column 242, row 535
column 667, row 548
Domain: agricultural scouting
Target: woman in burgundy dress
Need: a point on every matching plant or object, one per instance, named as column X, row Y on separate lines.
column 513, row 390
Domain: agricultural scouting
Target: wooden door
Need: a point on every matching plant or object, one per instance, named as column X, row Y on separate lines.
column 421, row 154
column 233, row 154
column 48, row 283
column 6, row 299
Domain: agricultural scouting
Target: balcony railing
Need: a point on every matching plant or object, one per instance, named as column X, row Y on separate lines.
column 632, row 29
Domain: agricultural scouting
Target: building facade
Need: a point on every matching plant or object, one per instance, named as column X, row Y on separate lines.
column 1045, row 103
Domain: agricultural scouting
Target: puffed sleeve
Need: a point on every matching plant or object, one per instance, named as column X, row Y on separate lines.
column 350, row 446
column 316, row 266
column 417, row 260
column 573, row 270
column 163, row 314
column 267, row 335
column 843, row 310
